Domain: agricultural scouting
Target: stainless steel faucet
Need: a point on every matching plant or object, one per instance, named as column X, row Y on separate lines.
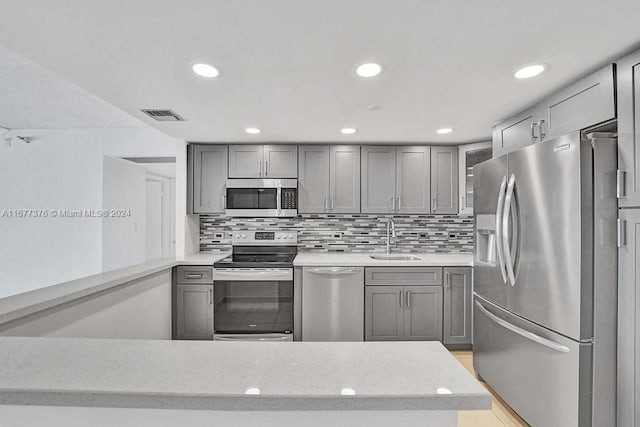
column 391, row 233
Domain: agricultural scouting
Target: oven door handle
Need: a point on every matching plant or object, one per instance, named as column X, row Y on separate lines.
column 252, row 275
column 254, row 337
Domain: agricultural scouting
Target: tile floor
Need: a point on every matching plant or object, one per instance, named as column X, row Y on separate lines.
column 500, row 413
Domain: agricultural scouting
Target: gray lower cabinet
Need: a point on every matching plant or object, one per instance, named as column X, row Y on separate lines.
column 423, row 313
column 207, row 178
column 194, row 312
column 628, row 76
column 628, row 319
column 384, row 313
column 457, row 305
column 444, row 180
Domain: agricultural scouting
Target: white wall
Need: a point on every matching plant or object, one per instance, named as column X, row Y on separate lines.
column 123, row 237
column 63, row 169
column 139, row 309
column 60, row 169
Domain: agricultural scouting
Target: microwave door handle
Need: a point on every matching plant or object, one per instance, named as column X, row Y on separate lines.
column 506, row 244
column 279, row 199
column 499, row 208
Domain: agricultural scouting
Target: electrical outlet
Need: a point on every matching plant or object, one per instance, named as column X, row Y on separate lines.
column 218, row 235
column 452, row 235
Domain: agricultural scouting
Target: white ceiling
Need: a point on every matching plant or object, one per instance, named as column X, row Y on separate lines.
column 287, row 65
column 32, row 97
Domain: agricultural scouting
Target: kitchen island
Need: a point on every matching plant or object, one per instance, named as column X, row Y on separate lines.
column 65, row 381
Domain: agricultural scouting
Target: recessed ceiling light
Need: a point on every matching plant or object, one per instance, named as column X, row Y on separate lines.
column 252, row 131
column 348, row 131
column 444, row 131
column 368, row 69
column 529, row 71
column 205, row 70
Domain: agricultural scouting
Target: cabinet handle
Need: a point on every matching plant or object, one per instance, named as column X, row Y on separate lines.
column 621, row 227
column 324, row 204
column 399, row 202
column 210, row 296
column 400, row 295
column 266, row 168
column 393, row 204
column 259, row 167
column 224, row 201
column 408, row 299
column 533, row 130
column 447, row 280
column 434, row 203
column 621, row 189
column 195, row 275
column 332, row 202
column 541, row 133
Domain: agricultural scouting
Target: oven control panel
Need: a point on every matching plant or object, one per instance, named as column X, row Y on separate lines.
column 265, row 238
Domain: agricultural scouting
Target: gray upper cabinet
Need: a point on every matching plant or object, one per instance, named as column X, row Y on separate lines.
column 444, row 180
column 628, row 75
column 378, row 179
column 263, row 161
column 207, row 178
column 329, row 179
column 194, row 311
column 344, row 179
column 384, row 313
column 314, row 178
column 423, row 313
column 280, row 161
column 585, row 103
column 516, row 132
column 413, row 175
column 457, row 305
column 246, row 161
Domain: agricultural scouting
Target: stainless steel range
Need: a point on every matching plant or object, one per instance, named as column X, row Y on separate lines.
column 253, row 288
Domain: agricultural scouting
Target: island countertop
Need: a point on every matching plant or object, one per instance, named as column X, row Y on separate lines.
column 223, row 376
column 333, row 259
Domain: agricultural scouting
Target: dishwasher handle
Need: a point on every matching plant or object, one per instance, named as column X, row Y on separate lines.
column 334, row 271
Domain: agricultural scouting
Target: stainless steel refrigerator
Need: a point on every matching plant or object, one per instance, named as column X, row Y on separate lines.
column 545, row 280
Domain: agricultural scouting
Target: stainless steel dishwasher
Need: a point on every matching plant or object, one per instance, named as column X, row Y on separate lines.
column 333, row 304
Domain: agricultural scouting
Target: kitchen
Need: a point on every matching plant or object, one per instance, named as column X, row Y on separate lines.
column 332, row 227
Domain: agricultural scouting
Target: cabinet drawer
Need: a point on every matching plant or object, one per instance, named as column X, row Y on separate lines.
column 401, row 276
column 195, row 274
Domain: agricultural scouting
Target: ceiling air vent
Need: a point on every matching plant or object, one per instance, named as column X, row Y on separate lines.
column 163, row 115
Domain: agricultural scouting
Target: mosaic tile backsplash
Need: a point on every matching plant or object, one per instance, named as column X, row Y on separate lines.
column 350, row 233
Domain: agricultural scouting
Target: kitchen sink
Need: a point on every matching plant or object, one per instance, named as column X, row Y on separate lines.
column 392, row 257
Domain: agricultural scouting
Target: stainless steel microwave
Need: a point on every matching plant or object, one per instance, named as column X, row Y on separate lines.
column 262, row 197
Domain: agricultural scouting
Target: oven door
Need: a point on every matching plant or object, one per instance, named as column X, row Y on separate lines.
column 253, row 301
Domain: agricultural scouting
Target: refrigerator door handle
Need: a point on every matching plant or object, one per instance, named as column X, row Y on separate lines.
column 506, row 246
column 523, row 333
column 499, row 208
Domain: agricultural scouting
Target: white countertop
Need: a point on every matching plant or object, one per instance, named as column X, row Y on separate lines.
column 202, row 258
column 216, row 375
column 323, row 259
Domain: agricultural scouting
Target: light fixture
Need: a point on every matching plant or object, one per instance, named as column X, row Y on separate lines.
column 529, row 71
column 368, row 69
column 444, row 131
column 252, row 131
column 443, row 390
column 252, row 391
column 348, row 131
column 205, row 70
column 348, row 392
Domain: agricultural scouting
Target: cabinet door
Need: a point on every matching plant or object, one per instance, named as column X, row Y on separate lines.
column 516, row 132
column 313, row 182
column 585, row 103
column 444, row 180
column 469, row 155
column 384, row 313
column 413, row 175
column 209, row 178
column 345, row 179
column 423, row 313
column 280, row 161
column 628, row 75
column 629, row 319
column 246, row 161
column 194, row 312
column 378, row 179
column 457, row 305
